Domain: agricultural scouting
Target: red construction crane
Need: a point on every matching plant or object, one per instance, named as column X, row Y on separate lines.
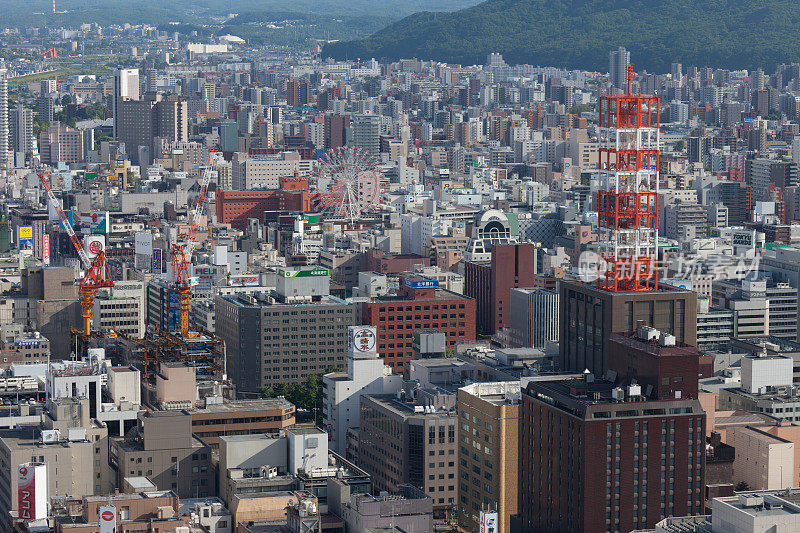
column 184, row 246
column 98, row 273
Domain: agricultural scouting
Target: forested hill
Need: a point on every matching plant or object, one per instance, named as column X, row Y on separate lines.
column 579, row 33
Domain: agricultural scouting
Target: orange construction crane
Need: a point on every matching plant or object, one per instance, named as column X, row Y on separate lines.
column 184, row 246
column 50, row 53
column 98, row 273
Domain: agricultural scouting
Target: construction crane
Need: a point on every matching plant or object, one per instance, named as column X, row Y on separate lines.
column 98, row 273
column 184, row 246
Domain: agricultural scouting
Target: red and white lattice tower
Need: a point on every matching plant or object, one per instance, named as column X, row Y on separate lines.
column 627, row 200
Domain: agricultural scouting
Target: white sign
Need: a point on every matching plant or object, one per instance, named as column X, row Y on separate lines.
column 361, row 339
column 143, row 241
column 489, row 522
column 107, row 515
column 94, row 244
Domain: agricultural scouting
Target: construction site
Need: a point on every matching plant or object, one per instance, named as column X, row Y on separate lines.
column 201, row 350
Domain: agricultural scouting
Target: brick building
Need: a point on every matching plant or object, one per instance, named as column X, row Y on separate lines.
column 595, row 457
column 419, row 305
column 235, row 207
column 490, row 282
column 379, row 261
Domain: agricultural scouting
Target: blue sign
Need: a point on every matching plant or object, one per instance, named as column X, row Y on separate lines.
column 156, row 261
column 422, row 283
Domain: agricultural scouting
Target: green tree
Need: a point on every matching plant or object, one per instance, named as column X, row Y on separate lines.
column 742, row 486
column 66, row 100
column 680, row 145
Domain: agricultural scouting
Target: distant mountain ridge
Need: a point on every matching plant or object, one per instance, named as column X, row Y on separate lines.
column 579, row 33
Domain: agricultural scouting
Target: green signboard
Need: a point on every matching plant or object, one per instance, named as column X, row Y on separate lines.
column 303, row 273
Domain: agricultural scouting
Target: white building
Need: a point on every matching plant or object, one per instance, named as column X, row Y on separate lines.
column 763, row 461
column 121, row 309
column 366, row 374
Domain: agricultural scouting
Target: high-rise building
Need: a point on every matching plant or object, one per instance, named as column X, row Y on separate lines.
column 138, row 122
column 618, row 62
column 533, row 317
column 597, row 457
column 419, row 305
column 411, row 440
column 336, row 130
column 228, row 135
column 4, row 130
column 366, row 374
column 488, row 455
column 366, row 134
column 59, row 142
column 126, row 87
column 21, row 122
column 285, row 336
column 489, row 282
column 590, row 315
column 298, row 92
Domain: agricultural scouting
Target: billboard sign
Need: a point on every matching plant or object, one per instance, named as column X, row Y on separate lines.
column 108, row 518
column 46, row 248
column 361, row 339
column 156, row 262
column 96, row 222
column 244, row 281
column 93, row 245
column 422, row 283
column 25, row 234
column 32, row 491
column 488, row 523
column 143, row 243
column 303, row 273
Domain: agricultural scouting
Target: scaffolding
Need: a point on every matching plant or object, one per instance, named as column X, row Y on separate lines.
column 205, row 352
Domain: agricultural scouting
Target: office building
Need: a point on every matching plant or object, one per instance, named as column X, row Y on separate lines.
column 264, row 172
column 763, row 461
column 310, row 324
column 366, row 374
column 366, row 134
column 490, row 283
column 139, row 122
column 618, row 62
column 488, row 458
column 236, row 207
column 652, row 464
column 759, row 306
column 126, row 87
column 336, row 127
column 411, row 440
column 218, row 418
column 60, row 143
column 21, row 124
column 588, row 317
column 533, row 317
column 419, row 305
column 121, row 309
column 166, row 452
column 408, row 510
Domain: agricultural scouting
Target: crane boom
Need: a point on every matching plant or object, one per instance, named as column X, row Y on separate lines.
column 200, row 207
column 87, row 263
column 184, row 246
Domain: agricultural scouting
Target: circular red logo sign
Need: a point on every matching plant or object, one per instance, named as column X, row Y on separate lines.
column 94, row 217
column 23, row 471
column 108, row 516
column 96, row 247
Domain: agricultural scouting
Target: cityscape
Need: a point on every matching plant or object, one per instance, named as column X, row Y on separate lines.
column 254, row 283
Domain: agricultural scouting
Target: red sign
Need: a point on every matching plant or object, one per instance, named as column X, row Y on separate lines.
column 46, row 249
column 96, row 247
column 26, row 493
column 108, row 516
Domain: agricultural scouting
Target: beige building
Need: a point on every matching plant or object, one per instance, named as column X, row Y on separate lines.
column 61, row 143
column 165, row 451
column 763, row 461
column 488, row 432
column 121, row 309
column 176, row 386
column 74, row 447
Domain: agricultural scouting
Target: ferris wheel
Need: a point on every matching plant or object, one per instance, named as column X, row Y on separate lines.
column 348, row 183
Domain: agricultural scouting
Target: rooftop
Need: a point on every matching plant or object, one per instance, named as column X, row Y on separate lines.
column 271, row 404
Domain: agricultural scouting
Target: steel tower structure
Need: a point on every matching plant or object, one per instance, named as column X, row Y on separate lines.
column 627, row 199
